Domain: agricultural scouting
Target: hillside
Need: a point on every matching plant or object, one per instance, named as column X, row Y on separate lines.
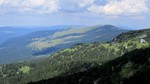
column 37, row 44
column 11, row 32
column 145, row 33
column 131, row 68
column 81, row 58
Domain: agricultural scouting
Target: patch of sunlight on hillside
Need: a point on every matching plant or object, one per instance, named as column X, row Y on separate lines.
column 45, row 42
column 73, row 31
column 25, row 69
column 39, row 45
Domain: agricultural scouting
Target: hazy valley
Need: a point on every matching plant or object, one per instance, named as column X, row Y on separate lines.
column 44, row 42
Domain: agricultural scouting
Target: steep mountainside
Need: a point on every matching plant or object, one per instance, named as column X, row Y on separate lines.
column 132, row 68
column 40, row 43
column 143, row 34
column 82, row 58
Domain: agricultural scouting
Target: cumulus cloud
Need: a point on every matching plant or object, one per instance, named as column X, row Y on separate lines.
column 83, row 3
column 107, row 7
column 40, row 6
column 75, row 5
column 1, row 1
column 117, row 7
column 30, row 6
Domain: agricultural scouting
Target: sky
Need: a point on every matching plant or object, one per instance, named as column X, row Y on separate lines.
column 125, row 13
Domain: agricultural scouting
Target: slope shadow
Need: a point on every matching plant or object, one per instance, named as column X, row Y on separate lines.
column 109, row 72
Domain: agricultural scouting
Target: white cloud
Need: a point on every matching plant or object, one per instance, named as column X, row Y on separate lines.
column 108, row 7
column 1, row 1
column 30, row 6
column 33, row 3
column 83, row 3
column 1, row 10
column 75, row 5
column 117, row 7
column 40, row 6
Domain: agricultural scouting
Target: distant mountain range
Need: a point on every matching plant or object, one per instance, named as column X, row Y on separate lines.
column 11, row 32
column 45, row 42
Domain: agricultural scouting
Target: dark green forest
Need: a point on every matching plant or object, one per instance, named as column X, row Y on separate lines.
column 120, row 61
column 131, row 68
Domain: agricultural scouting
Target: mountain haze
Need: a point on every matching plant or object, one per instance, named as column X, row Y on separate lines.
column 11, row 32
column 44, row 42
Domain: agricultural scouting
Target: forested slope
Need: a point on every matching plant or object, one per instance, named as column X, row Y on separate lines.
column 132, row 68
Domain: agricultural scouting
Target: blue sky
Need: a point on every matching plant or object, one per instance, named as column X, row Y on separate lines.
column 129, row 13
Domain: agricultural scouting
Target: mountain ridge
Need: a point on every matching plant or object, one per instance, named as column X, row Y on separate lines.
column 44, row 42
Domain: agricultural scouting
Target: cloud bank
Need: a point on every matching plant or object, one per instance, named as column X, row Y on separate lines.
column 101, row 7
column 117, row 7
column 29, row 6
